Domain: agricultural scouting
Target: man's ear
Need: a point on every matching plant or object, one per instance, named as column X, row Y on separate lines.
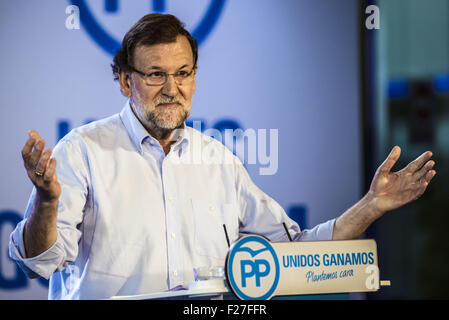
column 125, row 83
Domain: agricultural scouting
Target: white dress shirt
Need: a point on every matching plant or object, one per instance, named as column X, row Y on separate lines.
column 133, row 220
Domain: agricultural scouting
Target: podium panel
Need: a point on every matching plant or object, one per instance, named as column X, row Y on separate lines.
column 259, row 270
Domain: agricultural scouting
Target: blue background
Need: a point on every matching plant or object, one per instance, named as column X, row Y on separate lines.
column 286, row 65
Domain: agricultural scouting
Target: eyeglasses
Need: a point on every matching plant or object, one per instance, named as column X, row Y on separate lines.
column 159, row 78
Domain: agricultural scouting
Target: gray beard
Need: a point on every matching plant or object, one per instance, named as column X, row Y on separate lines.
column 158, row 125
column 159, row 121
column 161, row 128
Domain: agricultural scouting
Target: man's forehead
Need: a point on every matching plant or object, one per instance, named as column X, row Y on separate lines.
column 164, row 54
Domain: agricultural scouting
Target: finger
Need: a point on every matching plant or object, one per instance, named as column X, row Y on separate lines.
column 429, row 175
column 421, row 172
column 50, row 171
column 33, row 138
column 43, row 161
column 390, row 160
column 36, row 154
column 417, row 164
column 26, row 150
column 425, row 180
column 34, row 134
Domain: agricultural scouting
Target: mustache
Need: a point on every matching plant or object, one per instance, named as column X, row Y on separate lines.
column 177, row 99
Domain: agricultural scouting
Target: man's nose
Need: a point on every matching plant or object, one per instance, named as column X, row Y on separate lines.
column 170, row 87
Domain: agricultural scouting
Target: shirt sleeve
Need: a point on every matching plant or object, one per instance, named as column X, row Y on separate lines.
column 260, row 214
column 71, row 172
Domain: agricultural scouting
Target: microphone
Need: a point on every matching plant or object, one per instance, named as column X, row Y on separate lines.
column 286, row 231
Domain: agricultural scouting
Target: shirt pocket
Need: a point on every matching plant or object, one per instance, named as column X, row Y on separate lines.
column 209, row 218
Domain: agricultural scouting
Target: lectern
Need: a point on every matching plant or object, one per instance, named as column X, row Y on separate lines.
column 257, row 269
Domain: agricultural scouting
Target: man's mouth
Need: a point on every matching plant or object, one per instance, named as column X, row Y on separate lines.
column 169, row 105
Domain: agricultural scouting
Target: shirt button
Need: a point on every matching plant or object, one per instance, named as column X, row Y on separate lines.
column 175, row 273
column 170, row 198
column 211, row 208
column 151, row 142
column 173, row 235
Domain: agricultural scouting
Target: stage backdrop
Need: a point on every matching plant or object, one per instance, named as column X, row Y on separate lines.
column 291, row 66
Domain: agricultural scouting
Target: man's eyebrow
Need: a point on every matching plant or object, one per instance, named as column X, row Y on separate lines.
column 159, row 68
column 156, row 67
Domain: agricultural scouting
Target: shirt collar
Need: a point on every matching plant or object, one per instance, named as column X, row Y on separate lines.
column 138, row 133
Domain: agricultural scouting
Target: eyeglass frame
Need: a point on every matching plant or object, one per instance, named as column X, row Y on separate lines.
column 145, row 75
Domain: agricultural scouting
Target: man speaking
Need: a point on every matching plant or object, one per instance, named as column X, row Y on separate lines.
column 121, row 206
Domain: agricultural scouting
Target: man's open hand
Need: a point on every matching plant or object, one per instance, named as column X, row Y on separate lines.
column 41, row 169
column 394, row 189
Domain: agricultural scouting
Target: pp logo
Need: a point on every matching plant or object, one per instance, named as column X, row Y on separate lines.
column 252, row 268
column 94, row 18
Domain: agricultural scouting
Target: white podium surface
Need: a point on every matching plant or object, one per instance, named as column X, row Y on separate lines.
column 196, row 289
